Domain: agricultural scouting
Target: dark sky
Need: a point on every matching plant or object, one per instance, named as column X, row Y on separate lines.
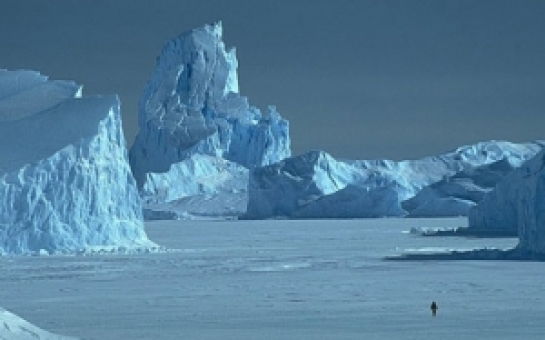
column 358, row 79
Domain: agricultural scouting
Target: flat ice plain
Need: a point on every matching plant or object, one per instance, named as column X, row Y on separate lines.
column 310, row 279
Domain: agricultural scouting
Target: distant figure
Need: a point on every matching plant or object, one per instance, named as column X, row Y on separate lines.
column 434, row 308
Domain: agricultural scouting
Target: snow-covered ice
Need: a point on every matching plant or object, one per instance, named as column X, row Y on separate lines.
column 192, row 106
column 65, row 181
column 315, row 185
column 282, row 279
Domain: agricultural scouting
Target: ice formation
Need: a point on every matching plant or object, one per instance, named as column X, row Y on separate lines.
column 65, row 182
column 201, row 185
column 195, row 126
column 454, row 196
column 191, row 107
column 517, row 203
column 315, row 185
column 15, row 328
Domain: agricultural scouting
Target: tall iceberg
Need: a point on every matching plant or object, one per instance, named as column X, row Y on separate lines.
column 65, row 182
column 191, row 107
column 518, row 204
column 315, row 185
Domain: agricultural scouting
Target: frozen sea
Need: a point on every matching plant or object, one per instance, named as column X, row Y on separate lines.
column 311, row 279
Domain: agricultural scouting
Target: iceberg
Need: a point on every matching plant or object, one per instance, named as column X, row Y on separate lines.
column 455, row 195
column 192, row 106
column 315, row 185
column 518, row 204
column 199, row 186
column 191, row 112
column 65, row 181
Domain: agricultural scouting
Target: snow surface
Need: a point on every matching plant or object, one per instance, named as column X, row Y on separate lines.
column 191, row 106
column 517, row 203
column 65, row 182
column 13, row 327
column 315, row 185
column 282, row 279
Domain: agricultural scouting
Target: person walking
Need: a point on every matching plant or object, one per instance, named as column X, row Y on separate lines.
column 434, row 308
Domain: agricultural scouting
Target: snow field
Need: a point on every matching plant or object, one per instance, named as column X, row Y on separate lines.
column 311, row 279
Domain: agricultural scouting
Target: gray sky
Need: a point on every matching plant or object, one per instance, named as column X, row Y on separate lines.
column 358, row 79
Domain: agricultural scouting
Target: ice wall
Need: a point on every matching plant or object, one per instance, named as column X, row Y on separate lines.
column 517, row 203
column 192, row 105
column 65, row 182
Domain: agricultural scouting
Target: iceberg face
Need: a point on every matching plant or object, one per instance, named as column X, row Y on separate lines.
column 517, row 203
column 191, row 106
column 315, row 185
column 65, row 183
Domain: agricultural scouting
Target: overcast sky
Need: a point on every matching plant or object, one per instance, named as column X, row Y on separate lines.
column 358, row 79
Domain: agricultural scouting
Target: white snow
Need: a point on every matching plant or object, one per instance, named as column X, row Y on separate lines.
column 313, row 185
column 13, row 327
column 517, row 203
column 65, row 182
column 191, row 106
column 301, row 279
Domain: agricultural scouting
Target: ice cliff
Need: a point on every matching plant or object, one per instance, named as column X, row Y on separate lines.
column 65, row 182
column 517, row 203
column 191, row 107
column 315, row 185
